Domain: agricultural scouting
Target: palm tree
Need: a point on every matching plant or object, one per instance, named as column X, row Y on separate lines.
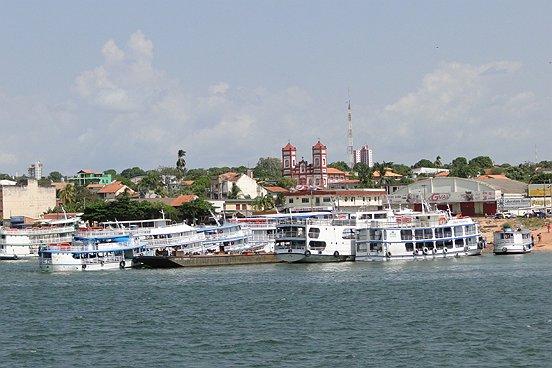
column 263, row 203
column 68, row 195
column 381, row 168
column 181, row 162
column 438, row 162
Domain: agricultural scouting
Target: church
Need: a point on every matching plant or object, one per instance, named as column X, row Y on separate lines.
column 313, row 175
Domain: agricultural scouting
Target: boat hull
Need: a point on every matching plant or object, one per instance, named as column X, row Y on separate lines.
column 296, row 257
column 420, row 256
column 202, row 260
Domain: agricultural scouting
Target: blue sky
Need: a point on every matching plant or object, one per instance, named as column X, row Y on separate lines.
column 117, row 84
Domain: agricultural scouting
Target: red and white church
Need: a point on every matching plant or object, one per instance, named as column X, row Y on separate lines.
column 313, row 175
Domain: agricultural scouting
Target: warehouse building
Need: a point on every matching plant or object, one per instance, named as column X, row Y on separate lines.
column 484, row 195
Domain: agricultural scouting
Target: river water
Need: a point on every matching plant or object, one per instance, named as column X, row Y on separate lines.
column 488, row 311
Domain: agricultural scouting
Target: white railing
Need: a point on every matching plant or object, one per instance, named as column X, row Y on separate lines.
column 290, row 234
column 102, row 233
column 39, row 231
column 33, row 241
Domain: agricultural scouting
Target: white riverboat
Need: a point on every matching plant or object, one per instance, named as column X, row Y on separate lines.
column 408, row 235
column 90, row 254
column 509, row 241
column 322, row 240
column 18, row 243
column 158, row 235
column 228, row 237
column 263, row 227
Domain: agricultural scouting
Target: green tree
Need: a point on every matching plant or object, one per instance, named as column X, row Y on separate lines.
column 268, row 168
column 286, row 182
column 364, row 173
column 55, row 176
column 438, row 162
column 181, row 161
column 234, row 192
column 481, row 162
column 201, row 186
column 111, row 172
column 459, row 161
column 132, row 172
column 68, row 195
column 423, row 163
column 198, row 210
column 44, row 182
column 340, row 165
column 263, row 203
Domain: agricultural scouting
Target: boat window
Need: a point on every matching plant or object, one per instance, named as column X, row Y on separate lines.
column 448, row 244
column 318, row 245
column 471, row 241
column 380, row 215
column 428, row 234
column 428, row 245
column 406, row 234
column 459, row 243
column 362, row 247
column 374, row 247
column 470, row 229
column 458, row 231
column 366, row 216
column 314, row 232
column 419, row 234
column 448, row 232
column 375, row 234
column 348, row 234
column 409, row 247
column 439, row 233
column 439, row 244
column 419, row 246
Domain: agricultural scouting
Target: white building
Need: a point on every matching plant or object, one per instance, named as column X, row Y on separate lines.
column 35, row 170
column 29, row 201
column 364, row 155
column 344, row 200
column 222, row 185
column 428, row 171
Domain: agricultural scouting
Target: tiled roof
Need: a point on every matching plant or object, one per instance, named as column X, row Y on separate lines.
column 443, row 173
column 113, row 187
column 319, row 145
column 388, row 174
column 332, row 170
column 229, row 176
column 506, row 185
column 289, row 147
column 184, row 198
column 276, row 189
column 87, row 171
column 337, row 192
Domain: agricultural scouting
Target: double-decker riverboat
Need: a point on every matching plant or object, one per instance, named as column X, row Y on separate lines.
column 314, row 240
column 91, row 253
column 408, row 235
column 510, row 241
column 24, row 242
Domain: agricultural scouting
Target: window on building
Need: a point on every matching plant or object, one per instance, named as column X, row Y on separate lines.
column 316, row 162
column 326, row 199
column 304, row 200
column 286, row 163
column 290, row 200
column 238, row 206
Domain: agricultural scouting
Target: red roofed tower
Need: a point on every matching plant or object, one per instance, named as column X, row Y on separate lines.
column 289, row 159
column 319, row 165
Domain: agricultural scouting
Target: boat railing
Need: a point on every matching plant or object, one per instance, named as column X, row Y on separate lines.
column 106, row 259
column 292, row 221
column 226, row 235
column 288, row 246
column 174, row 241
column 263, row 237
column 102, row 233
column 290, row 234
column 247, row 225
column 39, row 231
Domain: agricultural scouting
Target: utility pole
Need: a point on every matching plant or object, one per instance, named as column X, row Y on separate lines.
column 350, row 149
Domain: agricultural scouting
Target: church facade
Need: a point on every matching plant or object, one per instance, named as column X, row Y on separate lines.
column 314, row 174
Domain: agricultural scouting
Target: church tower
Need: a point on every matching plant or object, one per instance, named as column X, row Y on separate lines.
column 320, row 165
column 289, row 159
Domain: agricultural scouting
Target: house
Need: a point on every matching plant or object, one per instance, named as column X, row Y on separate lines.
column 181, row 199
column 346, row 200
column 241, row 206
column 389, row 174
column 114, row 189
column 94, row 187
column 222, row 185
column 336, row 175
column 87, row 176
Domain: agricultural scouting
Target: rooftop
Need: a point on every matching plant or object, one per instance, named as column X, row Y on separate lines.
column 111, row 188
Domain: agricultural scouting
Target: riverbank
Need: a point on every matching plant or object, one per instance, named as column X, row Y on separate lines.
column 537, row 226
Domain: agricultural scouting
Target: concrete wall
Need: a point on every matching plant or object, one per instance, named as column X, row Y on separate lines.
column 31, row 200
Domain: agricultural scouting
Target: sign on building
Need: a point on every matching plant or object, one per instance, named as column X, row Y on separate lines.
column 515, row 203
column 540, row 190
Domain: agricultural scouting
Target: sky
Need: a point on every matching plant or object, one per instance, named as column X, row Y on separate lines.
column 99, row 85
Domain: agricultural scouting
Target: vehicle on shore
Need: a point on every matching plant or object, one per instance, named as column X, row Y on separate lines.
column 509, row 241
column 408, row 235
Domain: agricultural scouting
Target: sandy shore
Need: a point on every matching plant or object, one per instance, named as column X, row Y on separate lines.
column 489, row 226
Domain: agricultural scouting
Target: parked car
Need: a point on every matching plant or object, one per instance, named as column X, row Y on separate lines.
column 504, row 215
